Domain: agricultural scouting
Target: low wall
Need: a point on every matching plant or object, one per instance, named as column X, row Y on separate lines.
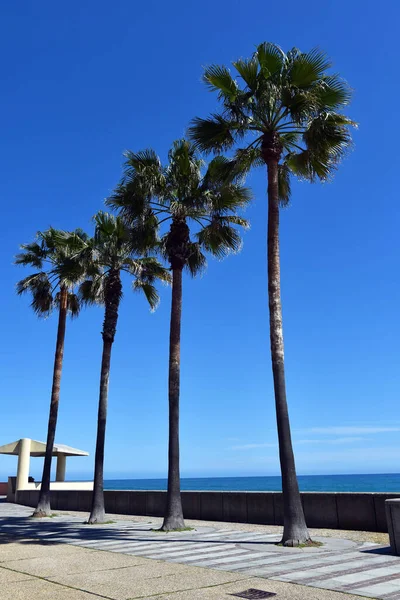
column 393, row 519
column 358, row 511
column 3, row 488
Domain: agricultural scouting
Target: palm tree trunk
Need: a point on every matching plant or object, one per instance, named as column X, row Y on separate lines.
column 295, row 529
column 174, row 514
column 43, row 508
column 113, row 290
column 97, row 514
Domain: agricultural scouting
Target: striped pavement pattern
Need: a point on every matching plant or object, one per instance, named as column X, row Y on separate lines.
column 366, row 570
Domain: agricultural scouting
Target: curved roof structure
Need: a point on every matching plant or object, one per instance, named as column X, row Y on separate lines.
column 39, row 448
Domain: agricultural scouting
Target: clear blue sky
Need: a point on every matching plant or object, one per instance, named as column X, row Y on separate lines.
column 82, row 82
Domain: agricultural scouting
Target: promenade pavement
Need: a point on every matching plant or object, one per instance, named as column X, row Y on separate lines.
column 61, row 557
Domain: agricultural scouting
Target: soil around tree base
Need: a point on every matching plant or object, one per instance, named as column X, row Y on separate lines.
column 41, row 514
column 299, row 544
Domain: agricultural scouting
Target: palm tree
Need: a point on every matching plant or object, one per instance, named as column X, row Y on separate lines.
column 54, row 256
column 285, row 113
column 188, row 198
column 113, row 250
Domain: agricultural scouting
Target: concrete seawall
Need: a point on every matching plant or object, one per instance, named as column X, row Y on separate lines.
column 358, row 511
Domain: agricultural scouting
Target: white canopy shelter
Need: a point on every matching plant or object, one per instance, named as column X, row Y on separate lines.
column 25, row 448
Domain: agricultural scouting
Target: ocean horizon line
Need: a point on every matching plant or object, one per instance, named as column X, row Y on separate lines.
column 114, row 478
column 362, row 482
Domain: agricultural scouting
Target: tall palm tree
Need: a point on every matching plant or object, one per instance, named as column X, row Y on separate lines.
column 284, row 111
column 53, row 255
column 200, row 207
column 114, row 249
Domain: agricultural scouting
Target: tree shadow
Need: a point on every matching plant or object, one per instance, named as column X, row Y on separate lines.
column 26, row 530
column 381, row 550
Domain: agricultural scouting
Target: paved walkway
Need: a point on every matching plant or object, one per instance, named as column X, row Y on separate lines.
column 362, row 569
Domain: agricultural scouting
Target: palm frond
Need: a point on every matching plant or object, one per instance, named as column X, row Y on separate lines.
column 246, row 159
column 271, row 58
column 150, row 269
column 301, row 105
column 69, row 271
column 42, row 304
column 68, row 241
column 39, row 286
column 31, row 282
column 332, row 92
column 74, row 305
column 144, row 159
column 148, row 290
column 91, row 291
column 197, row 262
column 219, row 239
column 183, row 172
column 125, row 195
column 108, row 225
column 220, row 79
column 219, row 170
column 289, row 140
column 308, row 68
column 235, row 220
column 328, row 137
column 143, row 173
column 214, row 133
column 309, row 166
column 33, row 256
column 229, row 198
column 248, row 70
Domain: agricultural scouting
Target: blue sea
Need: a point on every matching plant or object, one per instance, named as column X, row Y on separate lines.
column 308, row 483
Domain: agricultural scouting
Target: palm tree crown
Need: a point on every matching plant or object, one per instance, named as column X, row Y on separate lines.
column 55, row 256
column 283, row 106
column 181, row 192
column 116, row 248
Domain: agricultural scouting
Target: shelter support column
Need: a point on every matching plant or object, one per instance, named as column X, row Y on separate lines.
column 61, row 464
column 24, row 455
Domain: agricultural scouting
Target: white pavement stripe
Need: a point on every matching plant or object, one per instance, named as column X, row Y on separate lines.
column 285, row 563
column 362, row 577
column 97, row 543
column 176, row 550
column 117, row 546
column 223, row 560
column 338, row 568
column 154, row 546
column 185, row 551
column 130, row 549
column 280, row 562
column 197, row 558
column 248, row 559
column 316, row 561
column 140, row 542
column 240, row 567
column 253, row 536
column 206, row 536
